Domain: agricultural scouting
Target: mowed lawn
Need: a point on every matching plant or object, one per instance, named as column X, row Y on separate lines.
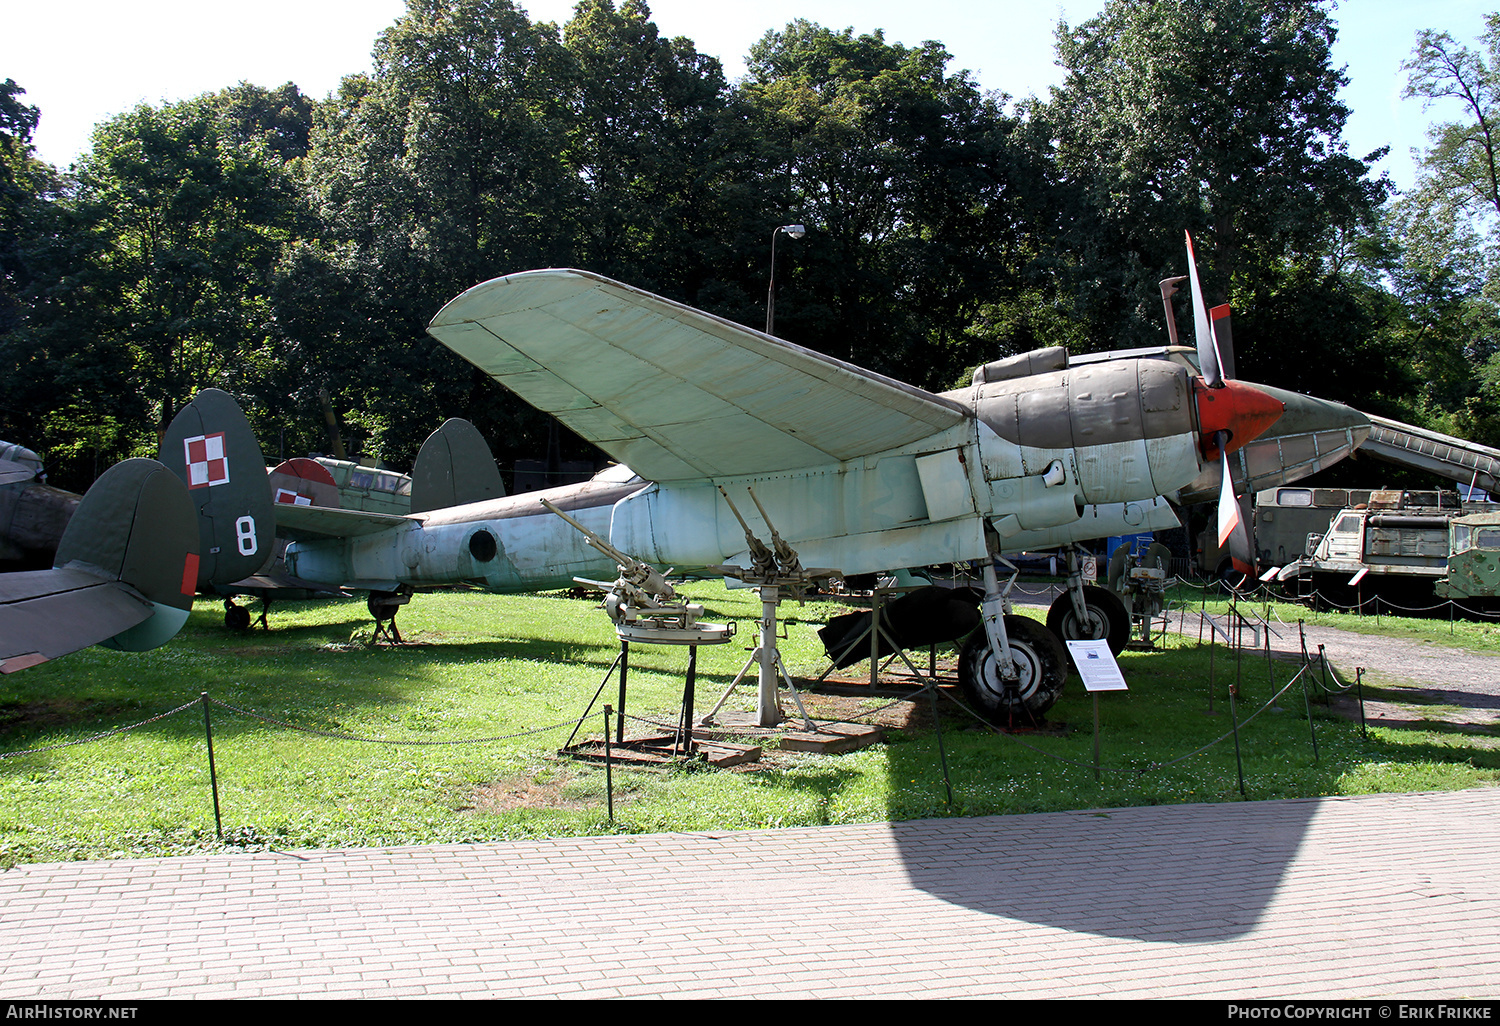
column 518, row 671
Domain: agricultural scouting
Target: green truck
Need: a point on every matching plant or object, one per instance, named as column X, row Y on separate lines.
column 1473, row 577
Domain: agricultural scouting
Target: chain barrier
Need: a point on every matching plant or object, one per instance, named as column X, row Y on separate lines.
column 101, row 737
column 339, row 736
column 1263, row 592
column 205, row 700
column 1242, row 723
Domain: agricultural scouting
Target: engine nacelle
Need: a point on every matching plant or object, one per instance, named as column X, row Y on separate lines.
column 1119, row 431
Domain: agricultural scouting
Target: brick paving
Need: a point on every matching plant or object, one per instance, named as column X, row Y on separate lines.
column 1384, row 896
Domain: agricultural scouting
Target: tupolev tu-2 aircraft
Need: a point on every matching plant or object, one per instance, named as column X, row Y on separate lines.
column 860, row 472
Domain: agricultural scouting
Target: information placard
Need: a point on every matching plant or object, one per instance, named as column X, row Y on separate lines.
column 1096, row 665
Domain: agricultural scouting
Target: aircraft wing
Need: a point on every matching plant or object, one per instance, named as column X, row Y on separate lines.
column 49, row 613
column 303, row 523
column 674, row 392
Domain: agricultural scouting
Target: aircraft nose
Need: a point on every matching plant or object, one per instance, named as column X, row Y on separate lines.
column 1306, row 415
column 1243, row 410
column 1310, row 434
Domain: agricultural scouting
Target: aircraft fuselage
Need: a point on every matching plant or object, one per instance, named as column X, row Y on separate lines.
column 1034, row 453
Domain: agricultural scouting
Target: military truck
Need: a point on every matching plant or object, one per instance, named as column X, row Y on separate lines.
column 1473, row 576
column 1395, row 545
column 1288, row 523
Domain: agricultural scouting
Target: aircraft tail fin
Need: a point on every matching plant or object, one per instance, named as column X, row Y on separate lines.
column 136, row 526
column 211, row 449
column 454, row 467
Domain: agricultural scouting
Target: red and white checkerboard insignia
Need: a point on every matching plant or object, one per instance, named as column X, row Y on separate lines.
column 291, row 498
column 207, row 465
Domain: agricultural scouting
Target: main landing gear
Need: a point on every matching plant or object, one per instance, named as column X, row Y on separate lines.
column 1012, row 671
column 1085, row 612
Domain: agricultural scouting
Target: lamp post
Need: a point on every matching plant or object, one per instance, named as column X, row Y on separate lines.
column 796, row 231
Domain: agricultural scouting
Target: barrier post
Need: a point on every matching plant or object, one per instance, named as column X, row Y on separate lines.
column 213, row 777
column 609, row 776
column 942, row 753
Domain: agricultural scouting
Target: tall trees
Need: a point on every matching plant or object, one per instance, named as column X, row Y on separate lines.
column 658, row 153
column 23, row 180
column 148, row 276
column 1449, row 229
column 259, row 241
column 1219, row 116
column 441, row 169
column 187, row 225
column 909, row 181
column 1452, row 217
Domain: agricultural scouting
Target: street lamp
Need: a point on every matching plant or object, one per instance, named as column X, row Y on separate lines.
column 796, row 231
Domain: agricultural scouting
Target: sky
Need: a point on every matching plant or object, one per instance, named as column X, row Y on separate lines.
column 92, row 59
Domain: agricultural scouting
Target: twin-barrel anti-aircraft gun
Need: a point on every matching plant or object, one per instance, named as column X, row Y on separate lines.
column 860, row 472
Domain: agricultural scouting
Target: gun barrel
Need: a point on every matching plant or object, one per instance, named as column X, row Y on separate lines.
column 593, row 539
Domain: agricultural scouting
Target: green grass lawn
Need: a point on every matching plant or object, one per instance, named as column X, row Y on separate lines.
column 486, row 665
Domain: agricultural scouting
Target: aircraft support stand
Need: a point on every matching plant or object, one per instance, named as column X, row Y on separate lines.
column 767, row 656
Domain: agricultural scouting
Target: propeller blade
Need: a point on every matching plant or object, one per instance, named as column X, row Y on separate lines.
column 1233, row 535
column 1208, row 349
column 1223, row 339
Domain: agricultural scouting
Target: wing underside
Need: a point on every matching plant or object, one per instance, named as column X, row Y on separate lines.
column 673, row 392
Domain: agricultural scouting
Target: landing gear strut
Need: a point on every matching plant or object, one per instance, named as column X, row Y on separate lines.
column 1088, row 613
column 1014, row 667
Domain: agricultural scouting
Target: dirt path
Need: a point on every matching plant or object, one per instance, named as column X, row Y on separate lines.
column 1418, row 681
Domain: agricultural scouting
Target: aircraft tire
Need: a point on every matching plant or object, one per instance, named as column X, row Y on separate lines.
column 236, row 618
column 1040, row 658
column 1106, row 619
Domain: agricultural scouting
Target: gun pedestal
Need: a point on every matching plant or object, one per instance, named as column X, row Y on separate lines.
column 766, row 656
column 773, row 569
column 645, row 609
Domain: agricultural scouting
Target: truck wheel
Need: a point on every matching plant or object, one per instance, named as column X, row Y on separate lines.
column 1042, row 666
column 1105, row 619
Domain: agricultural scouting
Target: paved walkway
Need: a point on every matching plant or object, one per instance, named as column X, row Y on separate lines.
column 1389, row 896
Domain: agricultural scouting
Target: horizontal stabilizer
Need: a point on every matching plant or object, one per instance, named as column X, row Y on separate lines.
column 49, row 613
column 306, row 523
column 126, row 570
column 303, row 482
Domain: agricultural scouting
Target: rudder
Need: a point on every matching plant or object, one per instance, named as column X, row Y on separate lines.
column 454, row 467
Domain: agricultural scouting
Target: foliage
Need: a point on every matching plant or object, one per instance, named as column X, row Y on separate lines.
column 1448, row 228
column 1452, row 216
column 1220, row 117
column 916, row 195
column 288, row 249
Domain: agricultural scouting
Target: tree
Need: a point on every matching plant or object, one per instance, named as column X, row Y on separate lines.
column 1447, row 233
column 24, row 181
column 1452, row 217
column 1221, row 117
column 147, row 278
column 912, row 188
column 441, row 169
column 658, row 151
